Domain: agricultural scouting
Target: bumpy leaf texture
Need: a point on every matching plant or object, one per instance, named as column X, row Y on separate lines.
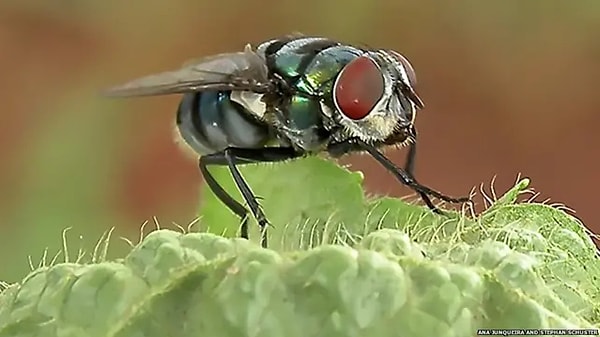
column 396, row 271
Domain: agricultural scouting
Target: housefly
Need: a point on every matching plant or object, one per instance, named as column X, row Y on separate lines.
column 291, row 97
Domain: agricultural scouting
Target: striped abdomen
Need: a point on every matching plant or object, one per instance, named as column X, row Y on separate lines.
column 210, row 121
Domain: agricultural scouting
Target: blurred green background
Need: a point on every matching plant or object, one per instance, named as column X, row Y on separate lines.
column 509, row 87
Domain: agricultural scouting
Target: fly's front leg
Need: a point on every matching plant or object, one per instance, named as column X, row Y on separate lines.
column 406, row 178
column 402, row 175
column 409, row 167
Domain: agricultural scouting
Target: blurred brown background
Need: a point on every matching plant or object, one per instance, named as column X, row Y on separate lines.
column 509, row 87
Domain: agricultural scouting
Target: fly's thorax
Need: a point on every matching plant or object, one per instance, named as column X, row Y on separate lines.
column 302, row 122
column 295, row 119
column 373, row 96
column 298, row 119
column 339, row 90
column 307, row 65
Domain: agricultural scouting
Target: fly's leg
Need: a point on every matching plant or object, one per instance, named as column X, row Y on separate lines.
column 403, row 176
column 222, row 195
column 406, row 178
column 231, row 157
column 409, row 167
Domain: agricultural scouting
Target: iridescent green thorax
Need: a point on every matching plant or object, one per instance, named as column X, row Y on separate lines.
column 303, row 112
column 314, row 74
column 309, row 67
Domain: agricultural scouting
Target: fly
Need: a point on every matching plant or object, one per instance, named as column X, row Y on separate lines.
column 288, row 98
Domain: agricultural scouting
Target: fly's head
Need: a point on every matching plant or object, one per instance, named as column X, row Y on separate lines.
column 374, row 97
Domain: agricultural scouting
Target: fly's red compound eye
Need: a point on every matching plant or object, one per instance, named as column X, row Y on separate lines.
column 412, row 77
column 358, row 88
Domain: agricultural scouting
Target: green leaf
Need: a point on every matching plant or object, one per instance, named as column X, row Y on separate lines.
column 393, row 268
column 198, row 284
column 298, row 197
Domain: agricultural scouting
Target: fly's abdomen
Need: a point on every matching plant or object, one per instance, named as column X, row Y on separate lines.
column 210, row 121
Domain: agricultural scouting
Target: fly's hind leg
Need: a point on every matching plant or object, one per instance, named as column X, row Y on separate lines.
column 225, row 197
column 231, row 157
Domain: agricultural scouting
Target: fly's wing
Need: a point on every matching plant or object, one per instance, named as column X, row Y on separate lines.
column 245, row 70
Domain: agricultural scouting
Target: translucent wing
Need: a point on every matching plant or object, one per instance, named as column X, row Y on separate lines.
column 245, row 70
